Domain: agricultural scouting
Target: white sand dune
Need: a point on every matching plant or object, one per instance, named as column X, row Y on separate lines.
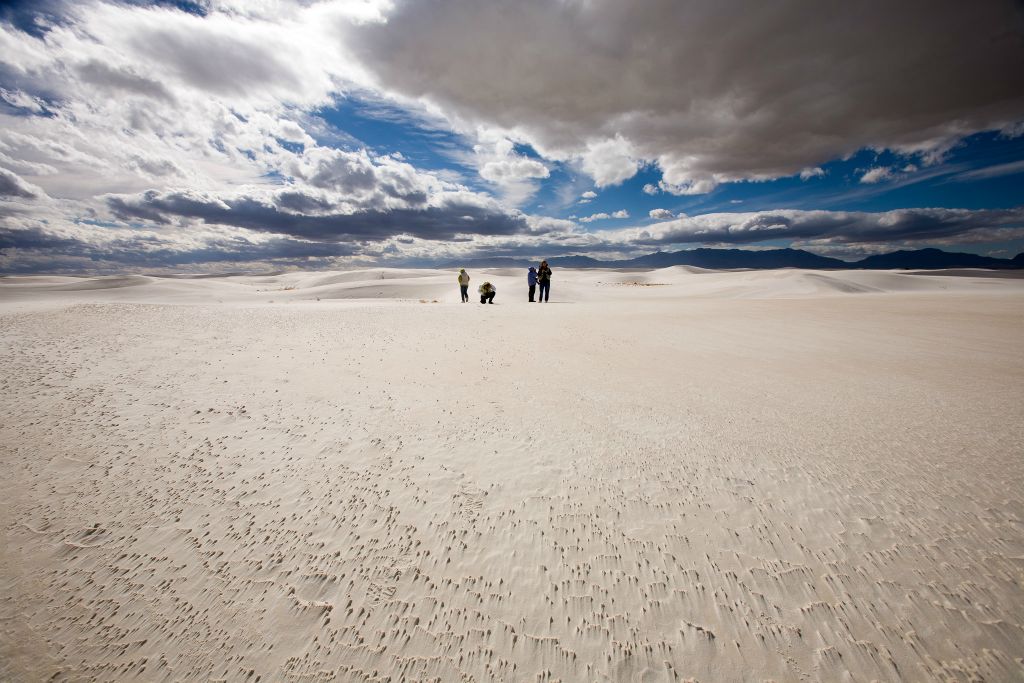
column 664, row 475
column 105, row 282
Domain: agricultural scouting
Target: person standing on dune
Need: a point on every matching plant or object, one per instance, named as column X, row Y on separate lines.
column 544, row 280
column 464, row 284
column 531, row 280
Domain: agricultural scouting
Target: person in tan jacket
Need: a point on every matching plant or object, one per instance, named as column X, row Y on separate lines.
column 487, row 292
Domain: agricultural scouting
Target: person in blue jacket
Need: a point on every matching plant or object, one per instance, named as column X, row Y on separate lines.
column 531, row 279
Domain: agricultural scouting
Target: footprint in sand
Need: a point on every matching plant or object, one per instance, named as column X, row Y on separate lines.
column 469, row 501
column 380, row 591
column 384, row 583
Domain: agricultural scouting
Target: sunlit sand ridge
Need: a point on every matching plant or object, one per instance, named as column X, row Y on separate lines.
column 662, row 476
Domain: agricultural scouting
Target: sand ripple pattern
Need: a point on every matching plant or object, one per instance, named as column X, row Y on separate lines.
column 243, row 493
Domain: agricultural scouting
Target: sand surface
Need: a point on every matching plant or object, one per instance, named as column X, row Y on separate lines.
column 658, row 476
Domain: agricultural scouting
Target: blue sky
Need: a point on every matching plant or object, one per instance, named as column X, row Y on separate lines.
column 226, row 134
column 983, row 170
column 980, row 171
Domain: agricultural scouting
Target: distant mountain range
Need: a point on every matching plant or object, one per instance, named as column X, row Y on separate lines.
column 919, row 259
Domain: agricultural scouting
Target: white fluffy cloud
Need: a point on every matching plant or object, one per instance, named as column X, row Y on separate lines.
column 135, row 96
column 661, row 214
column 609, row 162
column 622, row 213
column 513, row 174
column 877, row 175
column 513, row 169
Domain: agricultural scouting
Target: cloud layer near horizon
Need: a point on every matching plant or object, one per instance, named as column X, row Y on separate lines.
column 144, row 135
column 835, row 227
column 231, row 234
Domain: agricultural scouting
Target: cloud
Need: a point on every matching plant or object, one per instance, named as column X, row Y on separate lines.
column 622, row 213
column 381, row 182
column 661, row 214
column 19, row 100
column 117, row 124
column 877, row 175
column 842, row 227
column 511, row 169
column 198, row 124
column 498, row 163
column 676, row 84
column 609, row 162
column 815, row 172
column 133, row 131
column 125, row 93
column 991, row 171
column 320, row 215
column 159, row 53
column 122, row 80
column 112, row 250
column 238, row 231
column 688, row 186
column 13, row 186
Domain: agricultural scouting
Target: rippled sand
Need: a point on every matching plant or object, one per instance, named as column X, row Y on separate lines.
column 658, row 476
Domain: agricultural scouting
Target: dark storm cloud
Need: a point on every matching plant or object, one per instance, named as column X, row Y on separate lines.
column 278, row 214
column 34, row 238
column 35, row 250
column 849, row 227
column 713, row 89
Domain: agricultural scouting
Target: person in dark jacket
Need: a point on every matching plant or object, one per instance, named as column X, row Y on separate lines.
column 487, row 291
column 531, row 279
column 544, row 280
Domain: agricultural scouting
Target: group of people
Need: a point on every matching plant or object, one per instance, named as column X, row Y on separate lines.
column 535, row 277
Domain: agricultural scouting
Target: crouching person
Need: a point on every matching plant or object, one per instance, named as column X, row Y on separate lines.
column 487, row 292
